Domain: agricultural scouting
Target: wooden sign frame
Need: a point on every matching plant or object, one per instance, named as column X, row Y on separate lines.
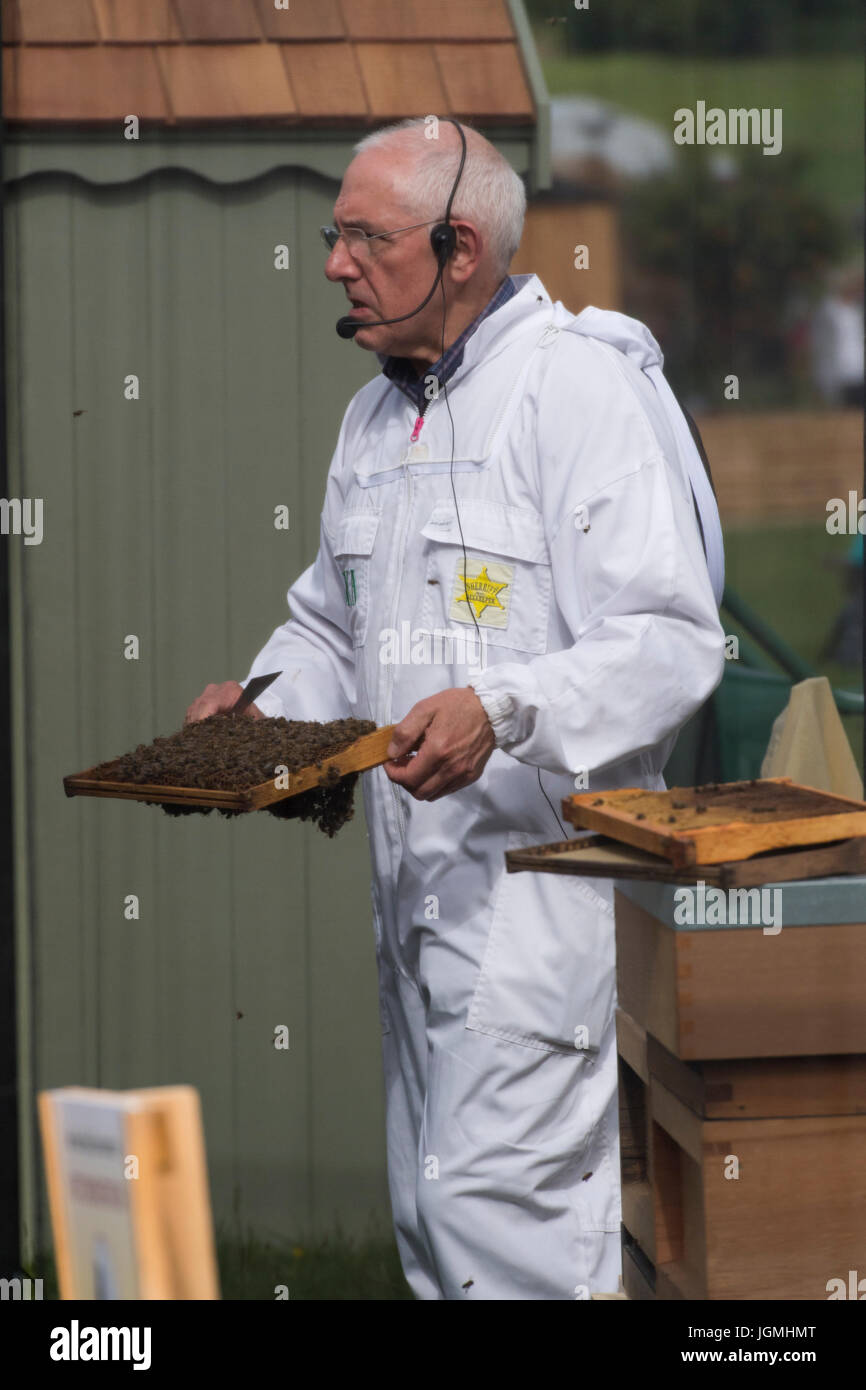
column 128, row 1193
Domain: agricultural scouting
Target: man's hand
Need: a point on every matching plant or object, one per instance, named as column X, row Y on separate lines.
column 454, row 738
column 215, row 698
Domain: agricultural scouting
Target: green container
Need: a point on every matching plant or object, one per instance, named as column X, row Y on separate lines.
column 726, row 740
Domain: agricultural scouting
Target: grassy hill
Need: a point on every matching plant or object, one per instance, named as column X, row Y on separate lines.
column 822, row 100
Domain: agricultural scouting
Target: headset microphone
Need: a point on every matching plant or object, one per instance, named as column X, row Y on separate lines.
column 347, row 327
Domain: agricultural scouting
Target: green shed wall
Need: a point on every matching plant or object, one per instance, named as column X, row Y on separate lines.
column 158, row 521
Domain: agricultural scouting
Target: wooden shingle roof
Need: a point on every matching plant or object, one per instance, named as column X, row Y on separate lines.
column 183, row 62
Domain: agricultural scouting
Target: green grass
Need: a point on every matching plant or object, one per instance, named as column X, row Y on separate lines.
column 791, row 576
column 822, row 100
column 334, row 1268
column 43, row 1268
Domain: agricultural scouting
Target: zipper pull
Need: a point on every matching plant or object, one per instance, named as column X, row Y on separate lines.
column 413, row 437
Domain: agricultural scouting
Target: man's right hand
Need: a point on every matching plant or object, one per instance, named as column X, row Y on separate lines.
column 215, row 698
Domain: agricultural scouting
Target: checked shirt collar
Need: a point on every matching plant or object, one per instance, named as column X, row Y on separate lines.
column 401, row 372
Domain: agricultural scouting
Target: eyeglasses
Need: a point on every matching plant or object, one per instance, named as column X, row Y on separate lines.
column 357, row 242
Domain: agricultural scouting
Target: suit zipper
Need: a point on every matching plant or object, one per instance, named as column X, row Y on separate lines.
column 413, row 438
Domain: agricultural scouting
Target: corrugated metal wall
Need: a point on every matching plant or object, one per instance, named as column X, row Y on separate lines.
column 158, row 522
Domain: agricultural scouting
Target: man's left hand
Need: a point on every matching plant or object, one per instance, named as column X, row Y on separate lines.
column 454, row 739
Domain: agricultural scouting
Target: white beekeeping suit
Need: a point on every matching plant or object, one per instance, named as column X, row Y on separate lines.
column 600, row 637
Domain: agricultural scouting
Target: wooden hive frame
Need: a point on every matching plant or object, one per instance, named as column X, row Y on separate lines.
column 718, row 834
column 370, row 750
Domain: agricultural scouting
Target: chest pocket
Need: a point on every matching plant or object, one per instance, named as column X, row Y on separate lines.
column 353, row 547
column 507, row 581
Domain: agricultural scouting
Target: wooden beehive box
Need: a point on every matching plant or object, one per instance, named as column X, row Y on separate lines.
column 785, row 977
column 741, row 1179
column 720, row 822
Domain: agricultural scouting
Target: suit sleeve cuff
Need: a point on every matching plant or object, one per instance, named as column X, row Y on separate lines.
column 499, row 709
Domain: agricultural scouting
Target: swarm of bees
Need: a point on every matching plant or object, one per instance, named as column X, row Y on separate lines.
column 227, row 752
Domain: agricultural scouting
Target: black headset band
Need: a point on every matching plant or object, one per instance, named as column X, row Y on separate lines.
column 443, row 237
column 459, row 175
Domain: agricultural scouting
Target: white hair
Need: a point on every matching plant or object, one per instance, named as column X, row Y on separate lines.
column 490, row 193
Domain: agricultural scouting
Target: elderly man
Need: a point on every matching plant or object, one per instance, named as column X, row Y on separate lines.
column 511, row 493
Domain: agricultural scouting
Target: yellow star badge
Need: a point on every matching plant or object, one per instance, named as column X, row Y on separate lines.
column 481, row 591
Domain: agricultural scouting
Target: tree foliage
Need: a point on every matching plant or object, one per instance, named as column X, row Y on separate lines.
column 700, row 27
column 717, row 266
